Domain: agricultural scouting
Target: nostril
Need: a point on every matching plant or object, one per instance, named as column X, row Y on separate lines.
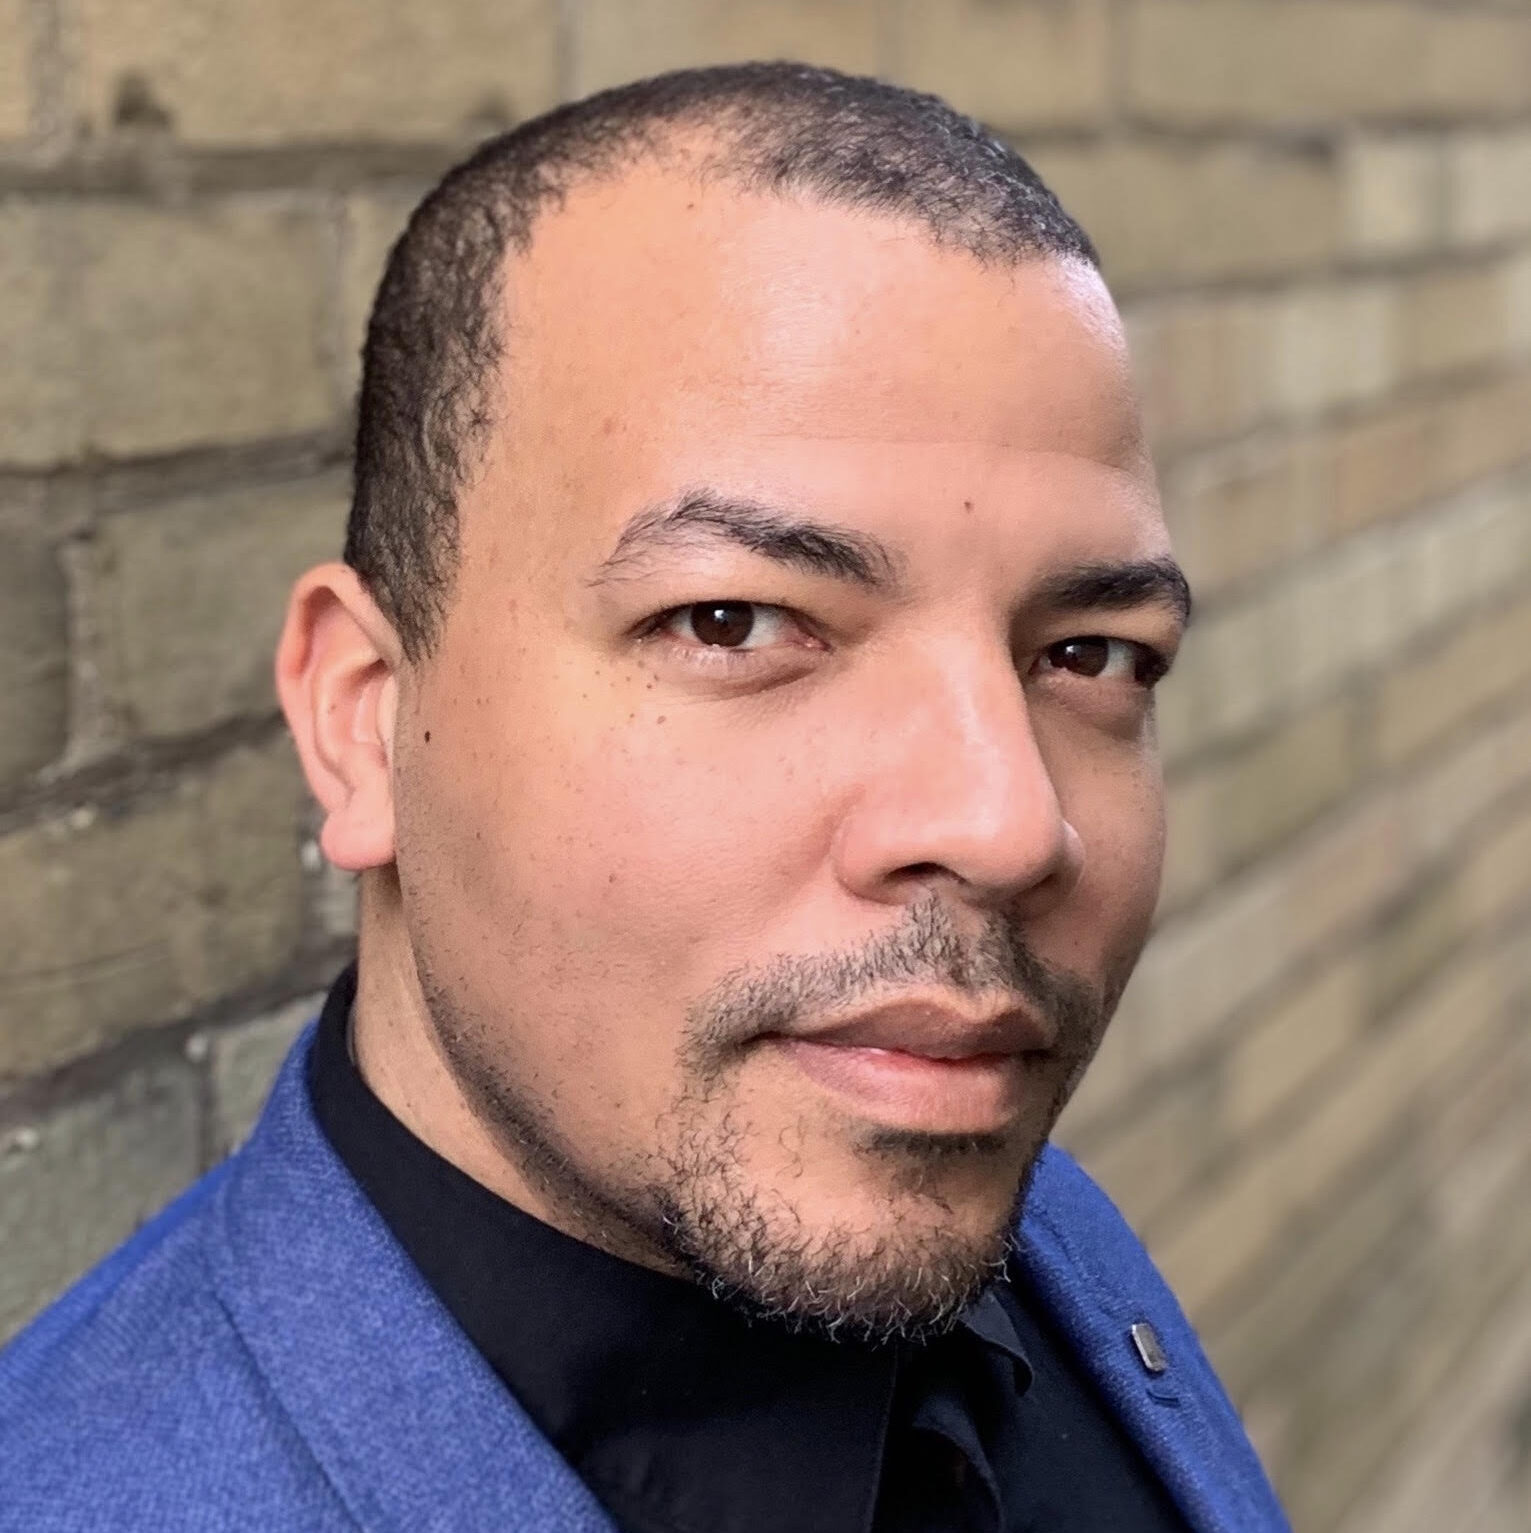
column 923, row 870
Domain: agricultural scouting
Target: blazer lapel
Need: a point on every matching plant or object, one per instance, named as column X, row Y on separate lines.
column 1098, row 1282
column 407, row 1422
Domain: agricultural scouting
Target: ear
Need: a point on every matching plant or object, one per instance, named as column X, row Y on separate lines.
column 337, row 677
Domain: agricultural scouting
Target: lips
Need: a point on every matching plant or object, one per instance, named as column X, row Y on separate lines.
column 937, row 1031
column 926, row 1066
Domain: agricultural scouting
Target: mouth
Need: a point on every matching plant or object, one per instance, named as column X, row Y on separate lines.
column 926, row 1067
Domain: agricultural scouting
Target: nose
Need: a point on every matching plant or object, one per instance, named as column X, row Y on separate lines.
column 953, row 786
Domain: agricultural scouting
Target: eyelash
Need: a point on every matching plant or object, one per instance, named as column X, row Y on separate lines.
column 1151, row 668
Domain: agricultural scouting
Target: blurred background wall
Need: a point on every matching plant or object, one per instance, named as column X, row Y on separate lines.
column 1317, row 216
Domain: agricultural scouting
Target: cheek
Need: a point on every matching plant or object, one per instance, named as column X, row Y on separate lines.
column 623, row 846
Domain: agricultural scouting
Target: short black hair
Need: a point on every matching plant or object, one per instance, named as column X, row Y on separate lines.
column 433, row 343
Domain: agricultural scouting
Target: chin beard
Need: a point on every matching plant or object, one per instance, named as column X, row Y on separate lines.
column 910, row 1280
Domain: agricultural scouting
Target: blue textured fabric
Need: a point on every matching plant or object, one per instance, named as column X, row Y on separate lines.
column 264, row 1356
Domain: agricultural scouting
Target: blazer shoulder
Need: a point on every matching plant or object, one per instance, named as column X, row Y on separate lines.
column 121, row 1403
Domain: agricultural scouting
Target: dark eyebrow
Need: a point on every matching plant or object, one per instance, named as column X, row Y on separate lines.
column 704, row 516
column 1117, row 587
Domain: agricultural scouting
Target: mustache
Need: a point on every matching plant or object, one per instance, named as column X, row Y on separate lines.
column 927, row 947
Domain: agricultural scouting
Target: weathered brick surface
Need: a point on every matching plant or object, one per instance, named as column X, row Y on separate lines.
column 1344, row 617
column 243, row 1061
column 1288, row 1046
column 282, row 71
column 1488, row 174
column 15, row 86
column 1246, row 509
column 76, row 1182
column 1467, row 1452
column 34, row 655
column 1235, row 808
column 1394, row 186
column 41, row 414
column 1451, row 320
column 616, row 40
column 117, row 920
column 1215, row 1245
column 1300, row 62
column 196, row 591
column 1163, row 213
column 1486, row 659
column 201, row 326
column 1016, row 64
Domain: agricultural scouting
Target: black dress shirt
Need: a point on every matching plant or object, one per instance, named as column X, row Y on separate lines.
column 684, row 1417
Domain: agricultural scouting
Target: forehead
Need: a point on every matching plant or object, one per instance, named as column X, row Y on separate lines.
column 662, row 332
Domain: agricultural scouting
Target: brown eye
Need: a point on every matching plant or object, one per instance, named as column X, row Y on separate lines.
column 724, row 624
column 1096, row 657
column 1082, row 657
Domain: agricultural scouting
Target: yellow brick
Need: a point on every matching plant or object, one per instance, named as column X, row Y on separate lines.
column 1517, row 289
column 1335, row 345
column 1161, row 213
column 34, row 656
column 1477, row 63
column 1489, row 186
column 129, row 920
column 1236, row 511
column 1451, row 1457
column 15, row 95
column 1236, row 668
column 616, row 40
column 1240, row 806
column 1483, row 430
column 1220, row 814
column 41, row 411
column 1451, row 320
column 1216, row 1245
column 1272, row 61
column 192, row 648
column 1376, row 466
column 1393, row 188
column 1440, row 804
column 1420, row 703
column 1414, row 938
column 1147, row 1159
column 1299, row 62
column 202, row 326
column 1385, row 463
column 274, row 71
column 1496, row 880
column 1204, row 366
column 1253, row 1341
column 1014, row 63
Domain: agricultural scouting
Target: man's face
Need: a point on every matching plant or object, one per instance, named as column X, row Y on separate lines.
column 771, row 858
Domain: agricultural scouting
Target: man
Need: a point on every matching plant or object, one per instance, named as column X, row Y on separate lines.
column 737, row 701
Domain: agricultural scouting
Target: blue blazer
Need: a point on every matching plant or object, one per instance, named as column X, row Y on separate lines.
column 264, row 1356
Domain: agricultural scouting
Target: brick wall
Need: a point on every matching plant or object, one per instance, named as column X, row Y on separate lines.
column 1317, row 214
